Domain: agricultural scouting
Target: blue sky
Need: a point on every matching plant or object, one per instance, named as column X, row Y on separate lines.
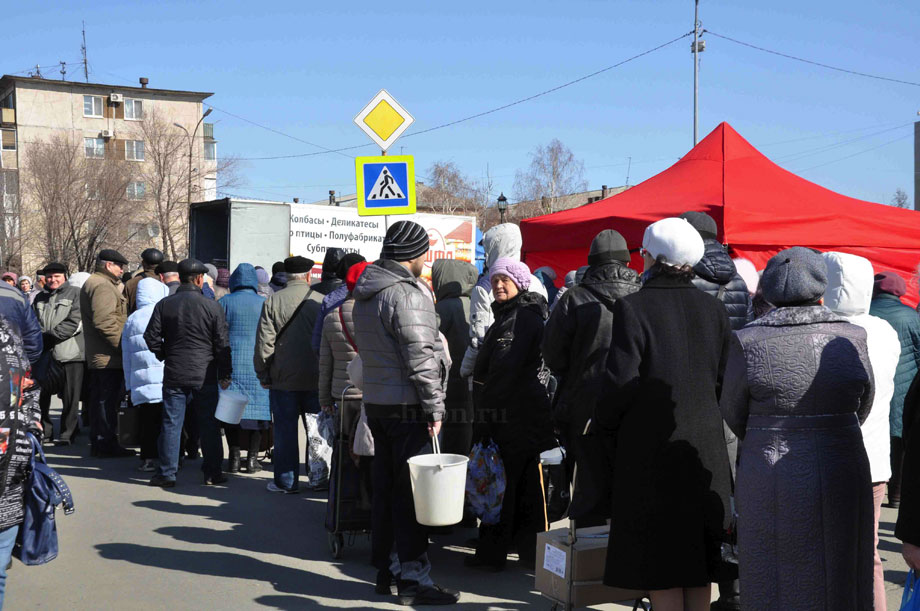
column 306, row 68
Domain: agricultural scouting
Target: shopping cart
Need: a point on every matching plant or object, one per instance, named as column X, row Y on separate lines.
column 348, row 511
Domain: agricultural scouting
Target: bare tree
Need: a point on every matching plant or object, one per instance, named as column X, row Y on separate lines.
column 171, row 188
column 554, row 171
column 450, row 191
column 83, row 201
column 900, row 199
column 10, row 235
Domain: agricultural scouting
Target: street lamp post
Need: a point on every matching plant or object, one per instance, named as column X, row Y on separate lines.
column 502, row 206
column 191, row 144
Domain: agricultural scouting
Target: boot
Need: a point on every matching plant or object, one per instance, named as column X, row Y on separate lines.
column 233, row 465
column 252, row 463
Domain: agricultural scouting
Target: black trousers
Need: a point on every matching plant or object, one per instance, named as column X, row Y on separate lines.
column 234, row 433
column 393, row 514
column 523, row 513
column 106, row 390
column 897, row 465
column 151, row 423
column 70, row 396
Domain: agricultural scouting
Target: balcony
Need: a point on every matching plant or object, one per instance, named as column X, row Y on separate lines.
column 208, row 131
column 8, row 115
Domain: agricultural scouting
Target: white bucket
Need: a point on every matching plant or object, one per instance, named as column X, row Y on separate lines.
column 438, row 486
column 552, row 457
column 230, row 406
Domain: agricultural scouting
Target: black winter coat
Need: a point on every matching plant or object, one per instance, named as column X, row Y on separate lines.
column 509, row 390
column 908, row 528
column 660, row 401
column 189, row 332
column 577, row 339
column 716, row 271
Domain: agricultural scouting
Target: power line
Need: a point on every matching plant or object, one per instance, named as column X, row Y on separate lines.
column 829, row 147
column 812, row 62
column 471, row 117
column 820, row 165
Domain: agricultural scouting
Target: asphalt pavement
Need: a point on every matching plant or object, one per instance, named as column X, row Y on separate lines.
column 237, row 546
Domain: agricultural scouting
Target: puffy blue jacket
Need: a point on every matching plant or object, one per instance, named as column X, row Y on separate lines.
column 242, row 307
column 15, row 306
column 143, row 371
column 907, row 323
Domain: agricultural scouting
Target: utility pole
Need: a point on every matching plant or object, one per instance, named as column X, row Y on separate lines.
column 83, row 49
column 916, row 164
column 696, row 70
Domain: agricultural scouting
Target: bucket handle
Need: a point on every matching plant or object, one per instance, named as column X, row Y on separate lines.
column 436, row 446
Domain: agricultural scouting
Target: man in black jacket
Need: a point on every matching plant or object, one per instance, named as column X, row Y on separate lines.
column 330, row 280
column 716, row 273
column 575, row 345
column 189, row 332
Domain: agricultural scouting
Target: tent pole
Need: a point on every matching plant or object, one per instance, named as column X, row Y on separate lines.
column 696, row 70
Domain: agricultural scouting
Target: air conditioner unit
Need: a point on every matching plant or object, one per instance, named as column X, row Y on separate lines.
column 116, row 97
column 107, row 133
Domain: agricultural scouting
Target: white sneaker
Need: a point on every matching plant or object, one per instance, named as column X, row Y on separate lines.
column 271, row 487
column 147, row 466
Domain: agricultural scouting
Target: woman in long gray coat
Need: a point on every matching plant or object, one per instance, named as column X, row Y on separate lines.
column 797, row 386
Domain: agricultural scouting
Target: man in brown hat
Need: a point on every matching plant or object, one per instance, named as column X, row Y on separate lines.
column 104, row 309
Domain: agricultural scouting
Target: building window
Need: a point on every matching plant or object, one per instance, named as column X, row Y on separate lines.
column 94, row 147
column 134, row 109
column 136, row 190
column 134, row 150
column 9, row 190
column 8, row 139
column 92, row 106
column 93, row 190
column 210, row 151
column 7, row 102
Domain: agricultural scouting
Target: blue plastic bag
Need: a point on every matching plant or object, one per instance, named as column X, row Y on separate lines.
column 910, row 601
column 485, row 482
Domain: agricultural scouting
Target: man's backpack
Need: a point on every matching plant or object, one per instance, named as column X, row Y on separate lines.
column 37, row 541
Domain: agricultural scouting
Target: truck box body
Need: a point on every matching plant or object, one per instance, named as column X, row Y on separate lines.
column 230, row 231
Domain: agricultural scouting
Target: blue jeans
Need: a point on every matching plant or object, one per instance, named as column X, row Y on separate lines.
column 7, row 539
column 286, row 406
column 203, row 402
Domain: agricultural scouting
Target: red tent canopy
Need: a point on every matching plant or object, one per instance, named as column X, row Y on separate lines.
column 760, row 209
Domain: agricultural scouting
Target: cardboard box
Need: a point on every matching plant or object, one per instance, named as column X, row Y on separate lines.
column 557, row 567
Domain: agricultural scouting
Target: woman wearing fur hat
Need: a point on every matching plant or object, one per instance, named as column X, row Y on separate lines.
column 797, row 386
column 512, row 408
column 659, row 414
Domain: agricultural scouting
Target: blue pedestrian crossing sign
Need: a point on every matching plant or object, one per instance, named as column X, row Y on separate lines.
column 386, row 185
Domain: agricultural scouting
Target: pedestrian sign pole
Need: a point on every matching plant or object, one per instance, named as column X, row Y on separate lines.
column 386, row 184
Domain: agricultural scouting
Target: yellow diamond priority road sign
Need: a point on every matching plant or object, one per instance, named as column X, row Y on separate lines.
column 384, row 120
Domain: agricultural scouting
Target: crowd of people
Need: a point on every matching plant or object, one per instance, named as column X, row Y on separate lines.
column 732, row 426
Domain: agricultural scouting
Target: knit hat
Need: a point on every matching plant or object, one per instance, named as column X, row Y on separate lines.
column 889, row 282
column 262, row 275
column 297, row 265
column 212, row 270
column 277, row 267
column 12, row 275
column 345, row 264
column 517, row 271
column 608, row 246
column 703, row 223
column 676, row 240
column 354, row 272
column 223, row 277
column 24, row 279
column 794, row 276
column 404, row 241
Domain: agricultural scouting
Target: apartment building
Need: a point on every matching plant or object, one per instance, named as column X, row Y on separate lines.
column 106, row 122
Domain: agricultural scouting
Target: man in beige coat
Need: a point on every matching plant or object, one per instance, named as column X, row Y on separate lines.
column 104, row 309
column 287, row 366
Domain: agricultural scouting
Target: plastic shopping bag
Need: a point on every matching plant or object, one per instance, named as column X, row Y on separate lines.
column 910, row 601
column 364, row 440
column 485, row 482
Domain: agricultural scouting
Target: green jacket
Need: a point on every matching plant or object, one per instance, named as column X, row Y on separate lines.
column 287, row 362
column 58, row 314
column 907, row 323
column 104, row 310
